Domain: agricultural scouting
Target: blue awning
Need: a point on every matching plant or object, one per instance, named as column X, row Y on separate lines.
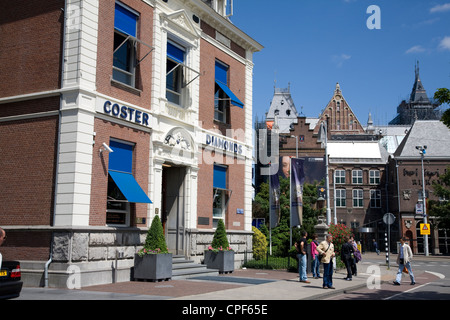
column 234, row 100
column 125, row 21
column 129, row 187
column 220, row 177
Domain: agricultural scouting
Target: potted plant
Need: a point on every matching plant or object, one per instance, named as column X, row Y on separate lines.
column 219, row 254
column 153, row 262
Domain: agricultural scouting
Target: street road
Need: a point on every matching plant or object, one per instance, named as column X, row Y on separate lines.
column 432, row 276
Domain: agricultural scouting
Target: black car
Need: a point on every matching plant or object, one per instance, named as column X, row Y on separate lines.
column 10, row 280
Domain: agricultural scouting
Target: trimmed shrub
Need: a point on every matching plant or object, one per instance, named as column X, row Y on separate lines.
column 155, row 240
column 220, row 237
column 259, row 244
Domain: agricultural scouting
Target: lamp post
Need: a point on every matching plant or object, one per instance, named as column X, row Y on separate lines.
column 422, row 151
column 296, row 145
column 323, row 138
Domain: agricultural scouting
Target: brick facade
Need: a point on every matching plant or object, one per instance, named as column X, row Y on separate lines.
column 56, row 78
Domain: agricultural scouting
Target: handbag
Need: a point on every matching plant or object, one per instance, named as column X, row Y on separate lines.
column 322, row 254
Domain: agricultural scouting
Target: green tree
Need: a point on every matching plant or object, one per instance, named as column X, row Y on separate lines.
column 155, row 237
column 280, row 234
column 442, row 95
column 441, row 208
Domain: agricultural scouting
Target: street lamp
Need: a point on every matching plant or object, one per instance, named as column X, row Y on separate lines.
column 324, row 140
column 296, row 145
column 423, row 151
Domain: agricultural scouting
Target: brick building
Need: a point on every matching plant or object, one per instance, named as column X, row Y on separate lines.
column 356, row 164
column 112, row 112
column 405, row 183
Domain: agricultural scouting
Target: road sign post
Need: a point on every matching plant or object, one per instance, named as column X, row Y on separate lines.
column 388, row 219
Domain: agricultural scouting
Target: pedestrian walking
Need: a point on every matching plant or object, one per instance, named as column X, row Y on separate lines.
column 302, row 259
column 356, row 256
column 375, row 246
column 315, row 266
column 347, row 257
column 404, row 261
column 326, row 251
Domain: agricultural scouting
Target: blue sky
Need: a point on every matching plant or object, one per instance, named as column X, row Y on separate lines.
column 312, row 44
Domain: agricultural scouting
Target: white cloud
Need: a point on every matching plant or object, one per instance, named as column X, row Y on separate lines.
column 340, row 59
column 440, row 8
column 415, row 49
column 445, row 44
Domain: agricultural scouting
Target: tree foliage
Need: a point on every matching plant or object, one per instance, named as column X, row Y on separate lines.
column 259, row 244
column 441, row 208
column 280, row 234
column 442, row 95
column 339, row 232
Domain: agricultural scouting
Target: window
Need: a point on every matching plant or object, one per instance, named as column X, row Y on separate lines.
column 341, row 196
column 174, row 72
column 375, row 198
column 221, row 194
column 122, row 187
column 357, row 176
column 357, row 198
column 124, row 57
column 354, row 224
column 221, row 100
column 223, row 96
column 339, row 176
column 374, row 176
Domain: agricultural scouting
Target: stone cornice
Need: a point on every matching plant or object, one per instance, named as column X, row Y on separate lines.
column 223, row 25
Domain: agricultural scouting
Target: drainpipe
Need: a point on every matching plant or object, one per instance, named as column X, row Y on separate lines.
column 47, row 264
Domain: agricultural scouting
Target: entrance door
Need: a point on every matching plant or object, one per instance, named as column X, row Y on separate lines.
column 173, row 207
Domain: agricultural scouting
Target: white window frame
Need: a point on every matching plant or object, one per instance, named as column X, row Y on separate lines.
column 374, row 177
column 357, row 176
column 341, row 198
column 338, row 176
column 358, row 198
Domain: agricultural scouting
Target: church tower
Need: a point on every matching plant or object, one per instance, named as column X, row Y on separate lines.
column 419, row 106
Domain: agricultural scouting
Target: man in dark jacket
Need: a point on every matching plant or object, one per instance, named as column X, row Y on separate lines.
column 347, row 257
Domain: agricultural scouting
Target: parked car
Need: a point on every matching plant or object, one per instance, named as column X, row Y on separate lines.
column 10, row 280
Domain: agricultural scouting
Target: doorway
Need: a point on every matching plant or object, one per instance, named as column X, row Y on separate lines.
column 173, row 204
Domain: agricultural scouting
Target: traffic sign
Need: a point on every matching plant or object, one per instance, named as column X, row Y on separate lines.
column 388, row 218
column 419, row 208
column 425, row 229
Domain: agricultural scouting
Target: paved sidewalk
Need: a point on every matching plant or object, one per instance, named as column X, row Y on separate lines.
column 242, row 284
column 291, row 289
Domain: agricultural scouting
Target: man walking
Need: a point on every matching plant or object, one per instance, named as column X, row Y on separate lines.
column 301, row 255
column 375, row 246
column 326, row 249
column 404, row 261
column 347, row 257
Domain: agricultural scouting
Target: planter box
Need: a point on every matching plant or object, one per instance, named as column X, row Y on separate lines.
column 154, row 267
column 222, row 260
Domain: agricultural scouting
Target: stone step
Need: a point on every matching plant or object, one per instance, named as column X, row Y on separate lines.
column 183, row 268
